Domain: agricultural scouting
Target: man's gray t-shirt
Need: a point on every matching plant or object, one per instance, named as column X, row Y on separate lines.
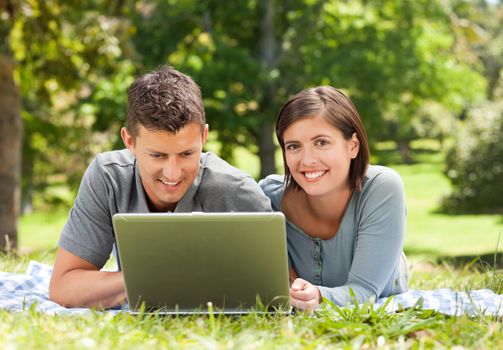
column 365, row 254
column 112, row 184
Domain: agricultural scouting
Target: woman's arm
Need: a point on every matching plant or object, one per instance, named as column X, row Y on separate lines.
column 380, row 224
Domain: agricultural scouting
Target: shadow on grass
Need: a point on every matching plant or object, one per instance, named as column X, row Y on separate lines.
column 410, row 251
column 476, row 261
column 480, row 262
column 417, row 155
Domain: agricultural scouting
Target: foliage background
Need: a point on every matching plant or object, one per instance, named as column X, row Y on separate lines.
column 415, row 70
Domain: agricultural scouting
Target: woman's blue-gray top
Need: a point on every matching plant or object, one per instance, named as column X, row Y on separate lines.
column 366, row 253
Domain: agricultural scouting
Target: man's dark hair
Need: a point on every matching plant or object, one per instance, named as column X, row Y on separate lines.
column 164, row 100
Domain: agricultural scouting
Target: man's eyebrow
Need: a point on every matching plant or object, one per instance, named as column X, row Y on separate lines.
column 149, row 150
column 191, row 149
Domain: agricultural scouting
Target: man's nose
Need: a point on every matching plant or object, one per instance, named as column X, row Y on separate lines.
column 171, row 169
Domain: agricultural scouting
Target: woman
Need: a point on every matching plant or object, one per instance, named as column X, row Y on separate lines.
column 345, row 218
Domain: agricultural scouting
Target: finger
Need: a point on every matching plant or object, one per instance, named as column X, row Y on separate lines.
column 305, row 294
column 299, row 284
column 310, row 292
column 304, row 305
column 300, row 294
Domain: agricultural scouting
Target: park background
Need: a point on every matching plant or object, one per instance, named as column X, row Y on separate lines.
column 425, row 75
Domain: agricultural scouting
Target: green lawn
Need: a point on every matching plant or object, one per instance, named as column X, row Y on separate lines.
column 432, row 233
column 364, row 327
column 40, row 230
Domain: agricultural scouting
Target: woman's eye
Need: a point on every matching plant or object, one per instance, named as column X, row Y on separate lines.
column 321, row 142
column 292, row 147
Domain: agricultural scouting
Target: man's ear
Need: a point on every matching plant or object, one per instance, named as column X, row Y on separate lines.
column 205, row 133
column 354, row 145
column 128, row 139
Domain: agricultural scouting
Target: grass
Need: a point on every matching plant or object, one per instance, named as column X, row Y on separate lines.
column 333, row 328
column 40, row 230
column 432, row 233
column 364, row 327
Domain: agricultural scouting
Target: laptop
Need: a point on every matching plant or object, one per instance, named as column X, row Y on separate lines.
column 185, row 263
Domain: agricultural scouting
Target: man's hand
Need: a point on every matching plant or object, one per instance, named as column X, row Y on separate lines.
column 304, row 295
column 76, row 282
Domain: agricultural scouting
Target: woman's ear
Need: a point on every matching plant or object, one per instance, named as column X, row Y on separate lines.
column 354, row 145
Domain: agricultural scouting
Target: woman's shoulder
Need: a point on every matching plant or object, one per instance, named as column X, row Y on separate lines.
column 381, row 178
column 273, row 187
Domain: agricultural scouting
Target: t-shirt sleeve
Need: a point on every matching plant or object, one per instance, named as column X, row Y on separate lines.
column 380, row 236
column 248, row 196
column 88, row 232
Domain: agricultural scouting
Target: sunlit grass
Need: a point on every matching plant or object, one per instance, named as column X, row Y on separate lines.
column 431, row 232
column 365, row 326
column 41, row 229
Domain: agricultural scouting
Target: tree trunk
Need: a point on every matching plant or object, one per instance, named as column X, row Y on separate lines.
column 10, row 154
column 404, row 148
column 268, row 56
column 266, row 150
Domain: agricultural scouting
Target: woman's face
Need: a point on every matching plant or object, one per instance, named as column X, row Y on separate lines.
column 318, row 156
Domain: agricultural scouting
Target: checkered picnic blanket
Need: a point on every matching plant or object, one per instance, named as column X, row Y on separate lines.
column 30, row 290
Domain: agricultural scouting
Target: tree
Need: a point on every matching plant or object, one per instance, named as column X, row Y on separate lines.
column 10, row 134
column 475, row 163
column 391, row 57
column 247, row 57
column 73, row 70
column 394, row 57
column 479, row 35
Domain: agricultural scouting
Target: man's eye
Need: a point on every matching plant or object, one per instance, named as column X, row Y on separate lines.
column 155, row 155
column 187, row 154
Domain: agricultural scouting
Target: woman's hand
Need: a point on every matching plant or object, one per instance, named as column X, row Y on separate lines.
column 304, row 295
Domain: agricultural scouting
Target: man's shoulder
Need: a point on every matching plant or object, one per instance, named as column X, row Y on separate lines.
column 226, row 188
column 222, row 179
column 115, row 166
column 119, row 158
column 218, row 171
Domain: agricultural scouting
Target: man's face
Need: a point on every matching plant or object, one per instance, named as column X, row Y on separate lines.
column 168, row 163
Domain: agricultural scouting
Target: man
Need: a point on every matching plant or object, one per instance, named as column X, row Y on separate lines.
column 163, row 169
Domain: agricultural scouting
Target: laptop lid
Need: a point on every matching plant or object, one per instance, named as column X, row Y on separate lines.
column 178, row 262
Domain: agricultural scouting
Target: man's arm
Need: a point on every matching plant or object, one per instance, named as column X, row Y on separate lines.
column 76, row 282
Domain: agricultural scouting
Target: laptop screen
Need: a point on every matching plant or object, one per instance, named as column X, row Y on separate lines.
column 181, row 261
